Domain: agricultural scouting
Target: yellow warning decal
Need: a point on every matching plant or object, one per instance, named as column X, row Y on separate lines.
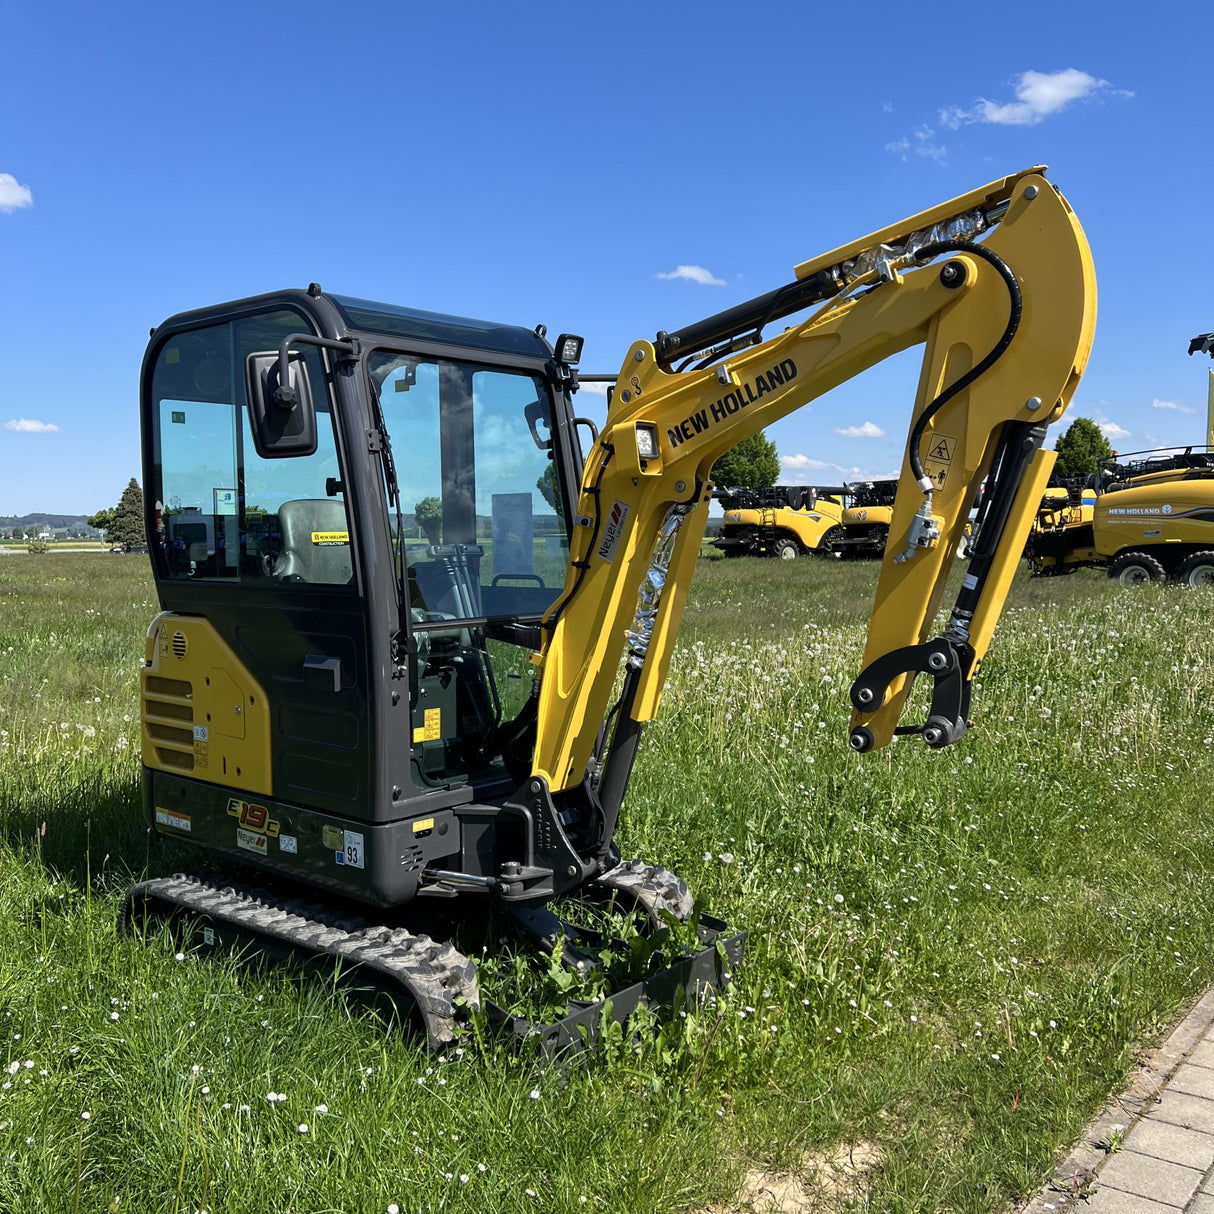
column 424, row 824
column 938, row 457
column 432, row 730
column 325, row 538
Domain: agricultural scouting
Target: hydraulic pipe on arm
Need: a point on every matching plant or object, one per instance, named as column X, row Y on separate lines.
column 1006, row 327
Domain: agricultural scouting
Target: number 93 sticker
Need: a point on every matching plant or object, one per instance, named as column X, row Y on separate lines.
column 353, row 852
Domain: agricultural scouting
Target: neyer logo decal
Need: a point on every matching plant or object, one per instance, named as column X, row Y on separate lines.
column 617, row 516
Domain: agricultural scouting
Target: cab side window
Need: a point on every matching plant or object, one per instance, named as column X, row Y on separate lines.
column 224, row 512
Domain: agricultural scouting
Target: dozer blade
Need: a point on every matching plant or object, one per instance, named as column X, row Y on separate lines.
column 657, row 893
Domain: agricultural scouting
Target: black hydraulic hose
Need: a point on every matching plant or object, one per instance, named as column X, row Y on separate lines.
column 927, row 253
column 555, row 612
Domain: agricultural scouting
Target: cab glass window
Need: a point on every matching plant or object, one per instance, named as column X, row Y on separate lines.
column 222, row 511
column 485, row 530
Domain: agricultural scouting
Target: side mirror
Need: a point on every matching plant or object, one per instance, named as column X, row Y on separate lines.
column 282, row 416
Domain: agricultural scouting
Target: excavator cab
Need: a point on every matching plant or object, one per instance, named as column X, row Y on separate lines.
column 359, row 514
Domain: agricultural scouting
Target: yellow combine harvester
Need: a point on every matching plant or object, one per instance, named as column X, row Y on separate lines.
column 790, row 521
column 1147, row 516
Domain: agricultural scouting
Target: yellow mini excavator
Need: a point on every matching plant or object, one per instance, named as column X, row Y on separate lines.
column 367, row 521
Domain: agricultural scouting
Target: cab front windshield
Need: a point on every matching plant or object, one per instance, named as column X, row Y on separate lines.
column 481, row 515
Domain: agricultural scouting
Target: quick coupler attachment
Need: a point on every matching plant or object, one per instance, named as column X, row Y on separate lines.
column 946, row 661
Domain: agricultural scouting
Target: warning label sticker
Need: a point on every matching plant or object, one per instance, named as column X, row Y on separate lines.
column 432, row 729
column 937, row 455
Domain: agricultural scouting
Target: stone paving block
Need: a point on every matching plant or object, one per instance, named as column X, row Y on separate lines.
column 1195, row 1080
column 1144, row 1175
column 1114, row 1201
column 1203, row 1054
column 1203, row 1203
column 1180, row 1108
column 1166, row 1141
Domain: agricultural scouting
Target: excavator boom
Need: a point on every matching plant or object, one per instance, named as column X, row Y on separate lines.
column 999, row 290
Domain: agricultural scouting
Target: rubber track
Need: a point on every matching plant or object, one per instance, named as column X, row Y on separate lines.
column 651, row 887
column 433, row 973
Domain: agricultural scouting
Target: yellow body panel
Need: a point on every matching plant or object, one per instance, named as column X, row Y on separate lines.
column 700, row 413
column 872, row 516
column 809, row 525
column 203, row 715
column 1160, row 511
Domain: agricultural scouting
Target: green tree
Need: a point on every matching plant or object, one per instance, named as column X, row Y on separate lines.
column 429, row 515
column 103, row 520
column 546, row 484
column 127, row 525
column 1081, row 448
column 752, row 464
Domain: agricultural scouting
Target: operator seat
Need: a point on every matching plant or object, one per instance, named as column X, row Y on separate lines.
column 315, row 542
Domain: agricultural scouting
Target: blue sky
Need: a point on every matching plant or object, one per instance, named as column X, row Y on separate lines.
column 560, row 164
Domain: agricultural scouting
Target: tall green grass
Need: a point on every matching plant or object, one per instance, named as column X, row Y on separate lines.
column 953, row 956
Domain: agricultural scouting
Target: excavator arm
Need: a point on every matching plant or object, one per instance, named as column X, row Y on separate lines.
column 997, row 286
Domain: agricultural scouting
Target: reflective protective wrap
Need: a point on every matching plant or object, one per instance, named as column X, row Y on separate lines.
column 966, row 226
column 649, row 597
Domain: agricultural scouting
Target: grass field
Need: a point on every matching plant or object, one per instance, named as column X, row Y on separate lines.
column 953, row 956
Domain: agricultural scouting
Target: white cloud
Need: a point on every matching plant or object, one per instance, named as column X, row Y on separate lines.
column 864, row 430
column 807, row 463
column 1173, row 405
column 920, row 145
column 13, row 194
column 694, row 274
column 1038, row 95
column 793, row 464
column 1112, row 430
column 27, row 425
column 595, row 389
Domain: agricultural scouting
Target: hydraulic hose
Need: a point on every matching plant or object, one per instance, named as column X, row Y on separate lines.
column 927, row 253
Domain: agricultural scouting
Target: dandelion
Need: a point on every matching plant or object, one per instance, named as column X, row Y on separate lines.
column 535, row 1093
column 393, row 1208
column 303, row 1127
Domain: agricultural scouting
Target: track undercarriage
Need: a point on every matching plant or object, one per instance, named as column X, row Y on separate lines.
column 431, row 981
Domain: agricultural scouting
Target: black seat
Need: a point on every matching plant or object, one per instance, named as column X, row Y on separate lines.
column 315, row 542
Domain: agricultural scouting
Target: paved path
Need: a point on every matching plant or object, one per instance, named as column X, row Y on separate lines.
column 1165, row 1126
